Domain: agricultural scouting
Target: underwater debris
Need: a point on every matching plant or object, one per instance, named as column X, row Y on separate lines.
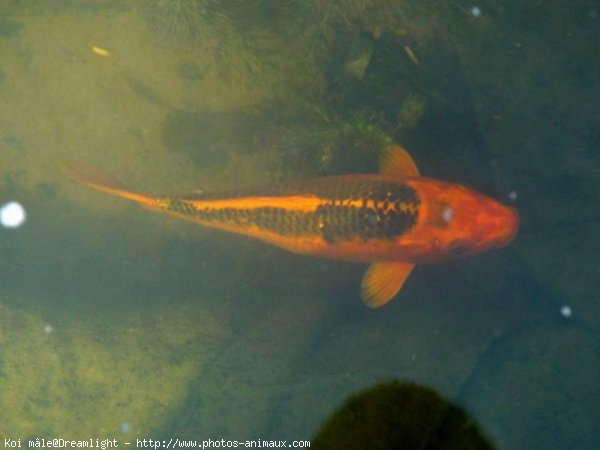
column 411, row 111
column 99, row 51
column 360, row 56
column 411, row 55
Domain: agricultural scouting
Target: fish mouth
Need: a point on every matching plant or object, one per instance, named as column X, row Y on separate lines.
column 509, row 224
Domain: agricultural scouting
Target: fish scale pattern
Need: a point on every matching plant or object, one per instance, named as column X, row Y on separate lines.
column 345, row 210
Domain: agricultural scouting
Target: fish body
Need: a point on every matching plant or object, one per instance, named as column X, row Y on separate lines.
column 393, row 220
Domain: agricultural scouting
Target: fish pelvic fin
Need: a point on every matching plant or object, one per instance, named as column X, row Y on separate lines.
column 382, row 281
column 104, row 181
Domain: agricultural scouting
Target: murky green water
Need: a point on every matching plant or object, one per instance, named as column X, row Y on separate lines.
column 119, row 323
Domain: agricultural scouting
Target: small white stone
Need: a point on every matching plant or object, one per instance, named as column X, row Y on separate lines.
column 475, row 11
column 48, row 328
column 513, row 196
column 566, row 311
column 12, row 215
column 125, row 427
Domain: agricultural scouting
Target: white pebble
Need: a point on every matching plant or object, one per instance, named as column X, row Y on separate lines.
column 475, row 11
column 12, row 215
column 512, row 196
column 125, row 427
column 566, row 311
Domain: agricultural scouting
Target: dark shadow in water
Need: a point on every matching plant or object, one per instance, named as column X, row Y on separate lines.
column 400, row 415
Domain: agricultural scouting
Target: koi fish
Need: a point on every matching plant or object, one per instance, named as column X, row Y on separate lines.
column 392, row 220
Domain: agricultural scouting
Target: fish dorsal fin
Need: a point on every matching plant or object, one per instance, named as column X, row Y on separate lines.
column 395, row 161
column 382, row 282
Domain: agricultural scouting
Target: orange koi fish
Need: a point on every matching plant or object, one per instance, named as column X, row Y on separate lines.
column 392, row 220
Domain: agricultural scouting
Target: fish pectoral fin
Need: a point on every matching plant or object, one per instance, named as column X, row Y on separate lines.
column 395, row 161
column 382, row 281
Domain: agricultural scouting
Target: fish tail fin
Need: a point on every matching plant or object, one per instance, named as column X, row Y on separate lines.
column 104, row 181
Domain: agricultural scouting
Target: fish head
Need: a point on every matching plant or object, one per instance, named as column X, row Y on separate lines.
column 457, row 221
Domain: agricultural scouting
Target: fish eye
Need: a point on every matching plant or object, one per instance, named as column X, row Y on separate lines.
column 448, row 214
column 457, row 249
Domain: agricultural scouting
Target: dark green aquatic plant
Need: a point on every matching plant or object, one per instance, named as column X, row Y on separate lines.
column 180, row 21
column 341, row 141
column 235, row 48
